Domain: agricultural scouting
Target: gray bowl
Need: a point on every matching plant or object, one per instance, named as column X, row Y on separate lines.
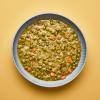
column 34, row 80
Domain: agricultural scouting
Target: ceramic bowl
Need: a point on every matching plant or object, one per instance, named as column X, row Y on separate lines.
column 43, row 83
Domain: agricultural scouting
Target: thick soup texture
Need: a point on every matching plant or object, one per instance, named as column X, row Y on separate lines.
column 49, row 49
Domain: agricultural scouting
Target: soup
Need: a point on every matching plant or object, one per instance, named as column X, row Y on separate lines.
column 49, row 49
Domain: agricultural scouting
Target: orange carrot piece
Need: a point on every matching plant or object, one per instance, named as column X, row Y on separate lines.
column 69, row 70
column 52, row 74
column 59, row 37
column 29, row 69
column 52, row 37
column 33, row 49
column 63, row 77
column 69, row 59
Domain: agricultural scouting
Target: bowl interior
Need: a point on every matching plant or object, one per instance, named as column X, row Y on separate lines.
column 49, row 83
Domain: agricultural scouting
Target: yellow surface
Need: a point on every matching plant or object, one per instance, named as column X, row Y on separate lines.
column 85, row 13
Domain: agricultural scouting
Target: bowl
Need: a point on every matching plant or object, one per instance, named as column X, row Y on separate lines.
column 43, row 83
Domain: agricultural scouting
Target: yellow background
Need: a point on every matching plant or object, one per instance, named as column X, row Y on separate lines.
column 85, row 13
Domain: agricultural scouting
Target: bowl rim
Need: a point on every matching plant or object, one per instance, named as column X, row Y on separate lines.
column 44, row 85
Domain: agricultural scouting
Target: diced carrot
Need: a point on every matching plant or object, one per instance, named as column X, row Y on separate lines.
column 69, row 70
column 69, row 59
column 58, row 65
column 63, row 77
column 33, row 49
column 29, row 69
column 52, row 74
column 59, row 37
column 52, row 37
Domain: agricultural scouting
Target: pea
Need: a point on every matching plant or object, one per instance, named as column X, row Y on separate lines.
column 20, row 46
